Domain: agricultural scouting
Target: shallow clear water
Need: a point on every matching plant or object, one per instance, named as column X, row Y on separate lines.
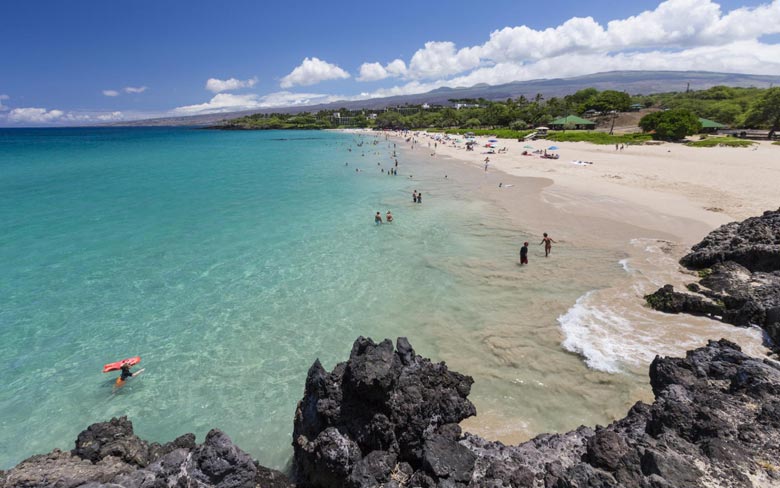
column 231, row 260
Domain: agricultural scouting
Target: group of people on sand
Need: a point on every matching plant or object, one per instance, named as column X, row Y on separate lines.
column 546, row 240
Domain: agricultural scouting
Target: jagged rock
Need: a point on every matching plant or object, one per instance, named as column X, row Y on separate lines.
column 739, row 265
column 109, row 453
column 754, row 243
column 715, row 421
column 381, row 400
column 665, row 299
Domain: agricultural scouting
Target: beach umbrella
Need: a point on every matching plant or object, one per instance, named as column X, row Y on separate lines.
column 528, row 147
column 553, row 148
column 492, row 140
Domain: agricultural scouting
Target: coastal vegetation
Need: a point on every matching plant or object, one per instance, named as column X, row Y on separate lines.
column 666, row 116
column 721, row 142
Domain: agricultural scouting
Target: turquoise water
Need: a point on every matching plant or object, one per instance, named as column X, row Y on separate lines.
column 231, row 260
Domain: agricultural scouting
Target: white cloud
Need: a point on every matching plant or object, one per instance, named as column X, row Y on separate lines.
column 312, row 71
column 673, row 27
column 110, row 93
column 34, row 115
column 107, row 117
column 216, row 85
column 221, row 102
column 131, row 89
column 230, row 102
column 375, row 71
column 3, row 108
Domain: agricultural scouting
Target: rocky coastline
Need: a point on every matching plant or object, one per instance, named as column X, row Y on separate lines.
column 388, row 417
column 739, row 269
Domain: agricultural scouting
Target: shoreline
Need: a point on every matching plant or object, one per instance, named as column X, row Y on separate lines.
column 635, row 223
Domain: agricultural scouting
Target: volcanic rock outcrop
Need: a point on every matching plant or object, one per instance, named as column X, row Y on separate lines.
column 739, row 266
column 388, row 418
column 110, row 454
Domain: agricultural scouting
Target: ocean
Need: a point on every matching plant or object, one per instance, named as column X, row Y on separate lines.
column 230, row 261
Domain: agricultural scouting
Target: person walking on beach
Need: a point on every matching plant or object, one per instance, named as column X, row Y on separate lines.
column 378, row 218
column 548, row 242
column 524, row 254
column 487, row 160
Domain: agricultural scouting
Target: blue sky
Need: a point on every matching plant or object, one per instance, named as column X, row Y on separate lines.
column 71, row 62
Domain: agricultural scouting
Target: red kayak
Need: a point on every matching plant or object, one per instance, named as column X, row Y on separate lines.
column 118, row 365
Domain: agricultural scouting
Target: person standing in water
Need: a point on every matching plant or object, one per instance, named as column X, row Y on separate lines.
column 378, row 218
column 414, row 196
column 389, row 217
column 524, row 254
column 548, row 242
column 419, row 197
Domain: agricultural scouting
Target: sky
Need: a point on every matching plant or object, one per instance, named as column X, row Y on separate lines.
column 88, row 61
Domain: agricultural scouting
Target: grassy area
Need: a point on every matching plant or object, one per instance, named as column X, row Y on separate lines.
column 776, row 143
column 720, row 141
column 499, row 133
column 597, row 137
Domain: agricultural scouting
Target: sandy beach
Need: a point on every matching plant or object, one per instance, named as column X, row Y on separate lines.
column 711, row 185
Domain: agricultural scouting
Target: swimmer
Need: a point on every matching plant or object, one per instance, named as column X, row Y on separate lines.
column 389, row 217
column 378, row 218
column 125, row 375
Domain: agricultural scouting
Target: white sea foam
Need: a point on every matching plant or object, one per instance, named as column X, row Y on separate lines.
column 624, row 264
column 585, row 334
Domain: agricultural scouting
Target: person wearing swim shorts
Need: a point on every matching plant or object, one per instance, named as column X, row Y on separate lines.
column 524, row 254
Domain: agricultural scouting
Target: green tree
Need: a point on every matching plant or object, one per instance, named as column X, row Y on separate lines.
column 765, row 111
column 671, row 125
column 388, row 120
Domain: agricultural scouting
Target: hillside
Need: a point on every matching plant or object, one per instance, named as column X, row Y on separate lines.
column 633, row 82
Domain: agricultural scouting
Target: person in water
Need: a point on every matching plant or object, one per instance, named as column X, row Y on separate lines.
column 389, row 217
column 124, row 375
column 414, row 196
column 378, row 218
column 548, row 242
column 524, row 254
column 419, row 197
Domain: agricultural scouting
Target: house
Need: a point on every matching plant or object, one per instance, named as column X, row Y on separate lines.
column 572, row 122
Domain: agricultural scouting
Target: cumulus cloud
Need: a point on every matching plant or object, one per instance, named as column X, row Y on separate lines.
column 34, row 115
column 131, row 89
column 312, row 71
column 375, row 71
column 3, row 108
column 230, row 102
column 216, row 85
column 111, row 93
column 672, row 28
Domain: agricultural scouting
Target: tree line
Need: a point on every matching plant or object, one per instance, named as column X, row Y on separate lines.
column 673, row 113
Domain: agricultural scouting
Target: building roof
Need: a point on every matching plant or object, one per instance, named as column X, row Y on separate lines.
column 573, row 120
column 710, row 124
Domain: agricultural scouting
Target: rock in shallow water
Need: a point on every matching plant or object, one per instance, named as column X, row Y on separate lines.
column 739, row 264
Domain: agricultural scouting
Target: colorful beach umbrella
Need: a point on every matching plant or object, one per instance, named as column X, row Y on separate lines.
column 552, row 148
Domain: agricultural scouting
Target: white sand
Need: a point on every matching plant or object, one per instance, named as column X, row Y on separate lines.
column 709, row 185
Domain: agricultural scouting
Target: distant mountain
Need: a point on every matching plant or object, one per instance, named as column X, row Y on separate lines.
column 633, row 82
